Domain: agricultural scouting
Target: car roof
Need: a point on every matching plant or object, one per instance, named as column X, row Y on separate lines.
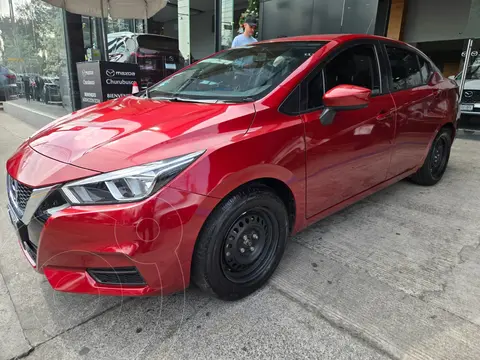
column 329, row 37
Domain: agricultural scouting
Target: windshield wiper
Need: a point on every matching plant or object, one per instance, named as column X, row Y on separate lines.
column 180, row 99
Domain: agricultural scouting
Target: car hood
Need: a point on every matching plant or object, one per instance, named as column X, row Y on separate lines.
column 472, row 84
column 132, row 131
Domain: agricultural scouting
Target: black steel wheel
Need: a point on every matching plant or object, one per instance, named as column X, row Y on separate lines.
column 241, row 243
column 249, row 245
column 437, row 160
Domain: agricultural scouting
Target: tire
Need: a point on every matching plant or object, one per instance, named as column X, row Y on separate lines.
column 253, row 219
column 437, row 160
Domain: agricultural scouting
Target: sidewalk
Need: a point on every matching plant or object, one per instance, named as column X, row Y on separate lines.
column 34, row 113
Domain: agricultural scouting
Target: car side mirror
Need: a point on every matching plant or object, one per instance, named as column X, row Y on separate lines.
column 343, row 98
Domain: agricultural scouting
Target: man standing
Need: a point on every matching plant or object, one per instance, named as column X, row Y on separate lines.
column 26, row 85
column 246, row 37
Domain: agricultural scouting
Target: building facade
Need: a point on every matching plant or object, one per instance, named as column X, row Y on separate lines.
column 440, row 28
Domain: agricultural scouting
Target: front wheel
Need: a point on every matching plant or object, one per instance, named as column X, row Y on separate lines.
column 241, row 243
column 437, row 160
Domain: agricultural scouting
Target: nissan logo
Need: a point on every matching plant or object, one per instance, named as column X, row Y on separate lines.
column 468, row 94
column 110, row 72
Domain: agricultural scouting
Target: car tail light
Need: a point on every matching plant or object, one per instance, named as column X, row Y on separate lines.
column 11, row 76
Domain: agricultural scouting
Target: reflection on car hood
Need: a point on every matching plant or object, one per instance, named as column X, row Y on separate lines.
column 132, row 131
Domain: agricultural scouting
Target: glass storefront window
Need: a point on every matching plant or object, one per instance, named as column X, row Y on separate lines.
column 34, row 54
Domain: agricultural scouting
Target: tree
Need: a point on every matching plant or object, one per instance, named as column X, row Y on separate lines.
column 252, row 10
column 36, row 41
column 117, row 25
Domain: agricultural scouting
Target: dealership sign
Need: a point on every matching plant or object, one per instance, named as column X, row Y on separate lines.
column 100, row 80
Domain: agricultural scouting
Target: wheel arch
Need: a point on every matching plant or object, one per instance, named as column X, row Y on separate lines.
column 281, row 180
column 450, row 127
column 281, row 189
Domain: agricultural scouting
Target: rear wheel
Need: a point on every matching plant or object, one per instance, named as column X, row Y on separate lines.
column 241, row 243
column 437, row 160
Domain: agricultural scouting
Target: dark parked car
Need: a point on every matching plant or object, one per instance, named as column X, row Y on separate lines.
column 157, row 56
column 8, row 84
column 51, row 90
column 204, row 178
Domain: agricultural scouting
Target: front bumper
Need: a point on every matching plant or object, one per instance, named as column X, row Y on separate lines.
column 156, row 237
column 469, row 108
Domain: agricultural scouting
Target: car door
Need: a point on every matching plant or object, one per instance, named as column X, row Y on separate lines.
column 351, row 154
column 416, row 104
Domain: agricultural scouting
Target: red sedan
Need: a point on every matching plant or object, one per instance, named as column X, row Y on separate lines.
column 205, row 176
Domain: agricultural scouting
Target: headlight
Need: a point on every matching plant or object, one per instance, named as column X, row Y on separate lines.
column 126, row 185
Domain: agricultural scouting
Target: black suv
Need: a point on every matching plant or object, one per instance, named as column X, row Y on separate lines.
column 157, row 56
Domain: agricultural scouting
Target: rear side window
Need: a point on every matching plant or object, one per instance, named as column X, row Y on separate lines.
column 405, row 68
column 157, row 43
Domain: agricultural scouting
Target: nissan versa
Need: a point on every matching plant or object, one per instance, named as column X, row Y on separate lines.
column 203, row 177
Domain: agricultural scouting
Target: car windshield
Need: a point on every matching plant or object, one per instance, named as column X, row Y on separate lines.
column 473, row 73
column 240, row 74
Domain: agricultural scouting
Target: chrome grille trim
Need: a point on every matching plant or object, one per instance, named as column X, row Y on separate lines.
column 32, row 202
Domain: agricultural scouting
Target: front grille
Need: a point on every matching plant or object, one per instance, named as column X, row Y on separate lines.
column 54, row 200
column 26, row 240
column 18, row 193
column 128, row 276
column 471, row 96
column 31, row 250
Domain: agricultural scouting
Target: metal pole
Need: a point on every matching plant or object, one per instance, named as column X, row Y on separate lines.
column 183, row 15
column 146, row 18
column 104, row 33
column 465, row 66
column 218, row 25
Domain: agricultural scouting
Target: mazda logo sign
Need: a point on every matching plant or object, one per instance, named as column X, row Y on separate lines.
column 468, row 94
column 110, row 72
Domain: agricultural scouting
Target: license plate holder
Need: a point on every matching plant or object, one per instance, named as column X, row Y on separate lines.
column 466, row 107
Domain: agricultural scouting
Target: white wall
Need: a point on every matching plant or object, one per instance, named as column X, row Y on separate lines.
column 202, row 41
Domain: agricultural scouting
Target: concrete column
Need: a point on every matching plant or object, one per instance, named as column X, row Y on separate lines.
column 396, row 20
column 184, row 29
column 73, row 32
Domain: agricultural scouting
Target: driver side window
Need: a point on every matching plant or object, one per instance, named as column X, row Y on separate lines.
column 357, row 65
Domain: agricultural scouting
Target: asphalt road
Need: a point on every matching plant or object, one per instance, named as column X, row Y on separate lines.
column 396, row 275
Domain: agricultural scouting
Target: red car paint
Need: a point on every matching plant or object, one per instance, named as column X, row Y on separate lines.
column 324, row 167
column 347, row 95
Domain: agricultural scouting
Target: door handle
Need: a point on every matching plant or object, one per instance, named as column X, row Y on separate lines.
column 383, row 115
